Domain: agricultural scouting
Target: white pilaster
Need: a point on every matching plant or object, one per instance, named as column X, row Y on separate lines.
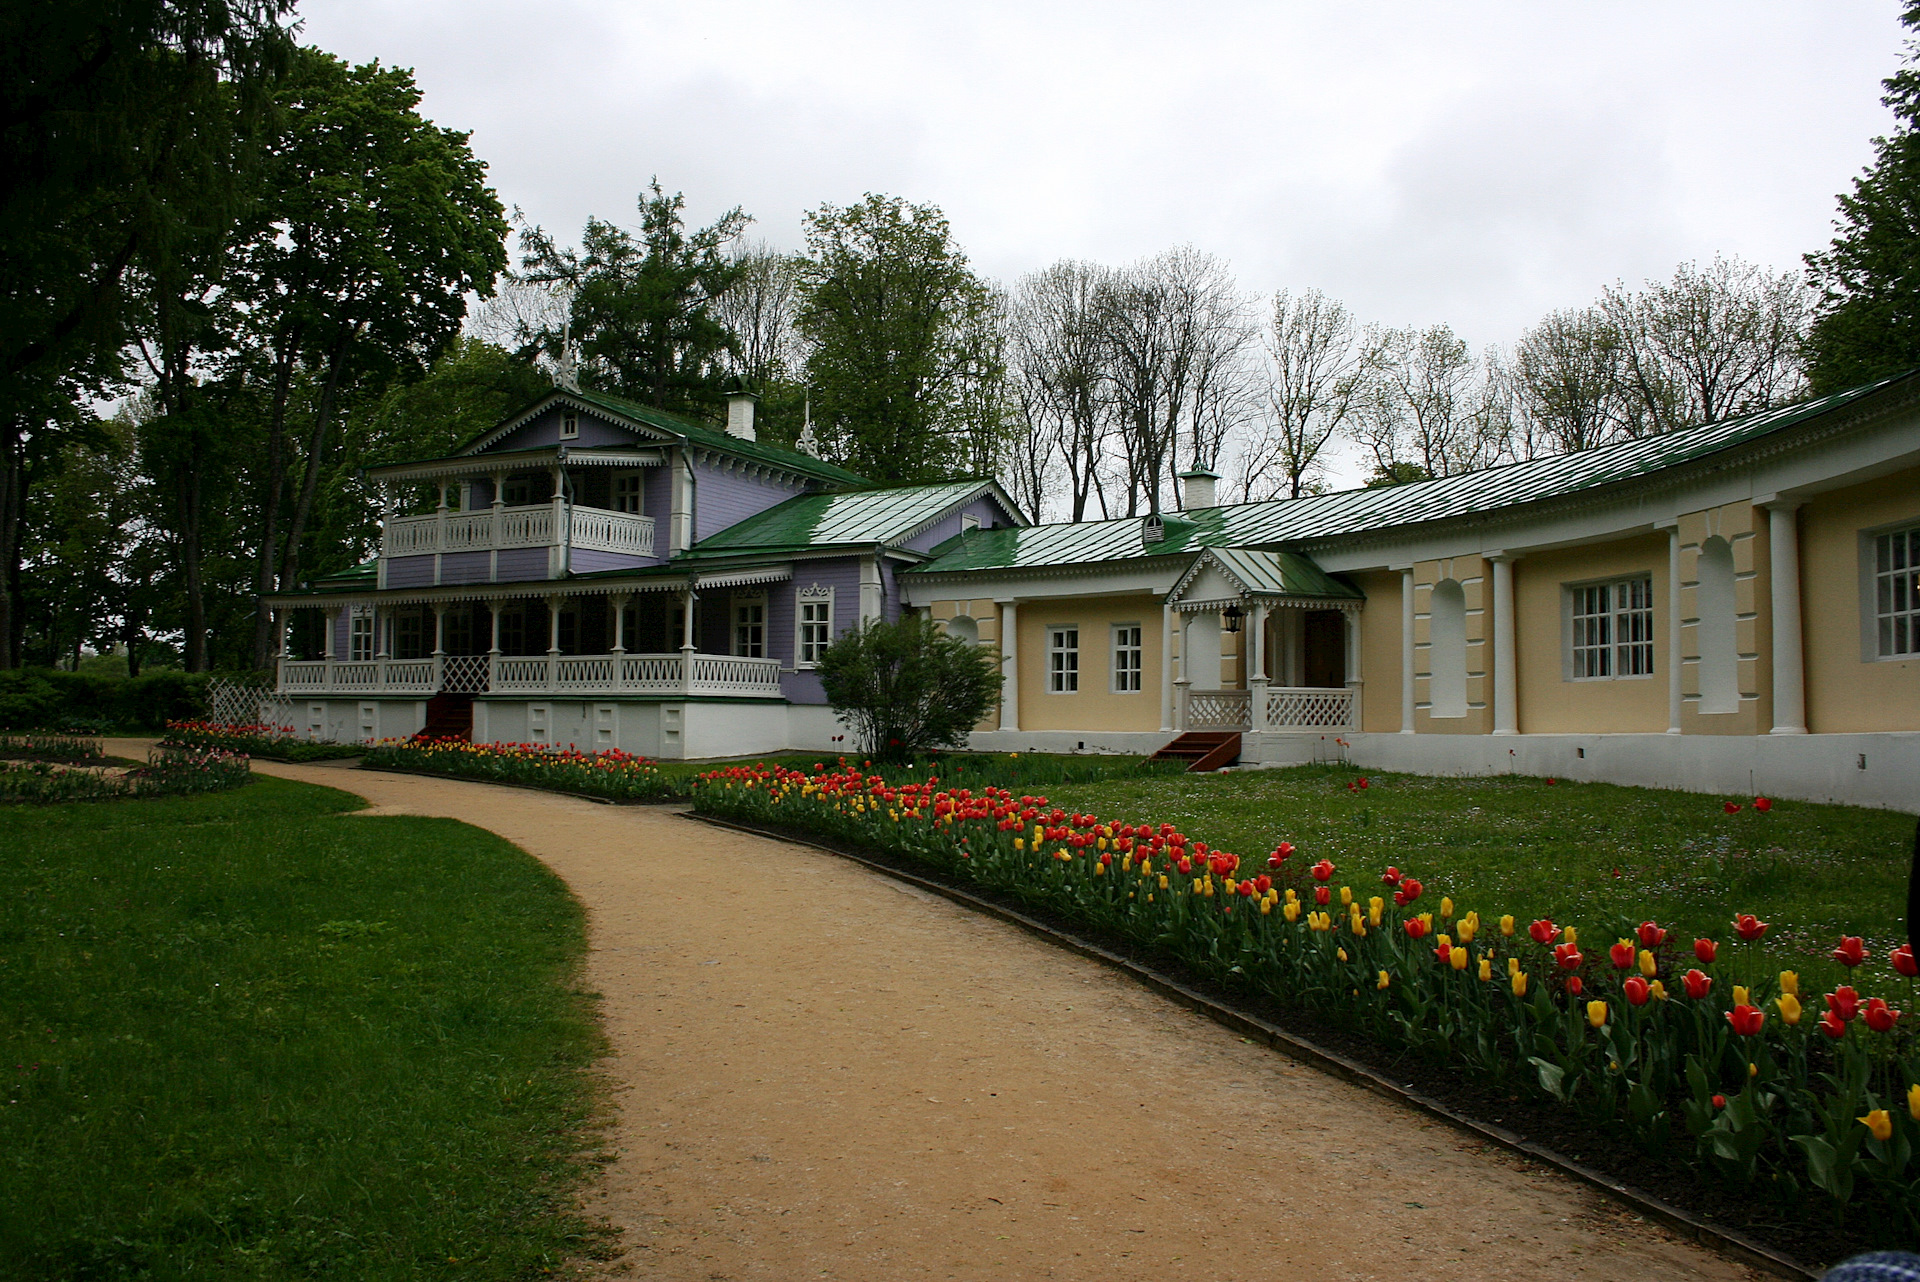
column 1506, row 682
column 872, row 598
column 1009, row 665
column 1256, row 652
column 1406, row 650
column 1789, row 660
column 1167, row 614
column 1674, row 700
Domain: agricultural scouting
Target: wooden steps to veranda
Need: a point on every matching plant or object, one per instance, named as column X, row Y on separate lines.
column 1203, row 750
column 449, row 716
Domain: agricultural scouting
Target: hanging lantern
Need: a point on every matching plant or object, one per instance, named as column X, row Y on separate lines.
column 1230, row 618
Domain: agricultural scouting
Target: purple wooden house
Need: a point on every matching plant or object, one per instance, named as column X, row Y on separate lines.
column 596, row 573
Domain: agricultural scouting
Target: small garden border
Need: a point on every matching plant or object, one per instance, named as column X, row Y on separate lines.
column 680, row 799
column 1229, row 1014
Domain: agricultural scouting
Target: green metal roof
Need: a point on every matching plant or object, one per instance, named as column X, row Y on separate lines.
column 704, row 434
column 1358, row 511
column 858, row 516
column 359, row 576
column 1281, row 574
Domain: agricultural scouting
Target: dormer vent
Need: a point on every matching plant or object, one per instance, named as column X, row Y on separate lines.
column 1153, row 529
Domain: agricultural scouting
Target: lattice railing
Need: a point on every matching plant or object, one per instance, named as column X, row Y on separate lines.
column 593, row 672
column 520, row 674
column 650, row 672
column 728, row 673
column 541, row 674
column 1309, row 708
column 600, row 530
column 464, row 673
column 1217, row 710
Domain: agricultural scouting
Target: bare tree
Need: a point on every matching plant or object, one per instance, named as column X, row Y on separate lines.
column 1316, row 374
column 1058, row 362
column 759, row 308
column 1567, row 382
column 1709, row 344
column 1430, row 408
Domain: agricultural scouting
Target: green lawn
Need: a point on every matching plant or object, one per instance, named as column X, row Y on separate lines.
column 1596, row 856
column 245, row 1035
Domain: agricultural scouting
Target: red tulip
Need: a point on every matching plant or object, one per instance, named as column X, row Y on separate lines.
column 1851, row 951
column 1833, row 1026
column 1416, row 929
column 1543, row 931
column 1732, row 807
column 1185, row 865
column 1551, row 781
column 1391, row 877
column 1362, row 781
column 1762, row 804
column 1279, row 855
column 1704, row 949
column 1749, row 927
column 1263, row 883
column 1843, row 1003
column 1442, row 953
column 1902, row 959
column 1746, row 1020
column 1322, row 895
column 1574, row 985
column 1323, row 871
column 1246, row 888
column 1567, row 956
column 1698, row 984
column 1637, row 991
column 1651, row 936
column 1719, row 1101
column 1621, row 955
column 1880, row 1016
column 1411, row 888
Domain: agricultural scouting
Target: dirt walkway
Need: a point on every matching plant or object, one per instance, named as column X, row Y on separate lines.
column 823, row 1073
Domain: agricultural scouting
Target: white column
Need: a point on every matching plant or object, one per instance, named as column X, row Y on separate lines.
column 556, row 550
column 1506, row 682
column 331, row 615
column 1167, row 614
column 687, row 603
column 1673, row 629
column 872, row 598
column 1355, row 682
column 1406, row 650
column 1789, row 670
column 553, row 641
column 1255, row 643
column 499, row 529
column 618, row 604
column 1009, row 666
column 1184, row 682
column 439, row 628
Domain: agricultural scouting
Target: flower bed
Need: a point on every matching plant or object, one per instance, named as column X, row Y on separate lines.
column 614, row 775
column 276, row 742
column 169, row 772
column 1769, row 1087
column 49, row 747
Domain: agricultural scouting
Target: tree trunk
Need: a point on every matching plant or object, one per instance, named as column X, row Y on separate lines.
column 190, row 567
column 316, row 448
column 270, row 499
column 12, row 500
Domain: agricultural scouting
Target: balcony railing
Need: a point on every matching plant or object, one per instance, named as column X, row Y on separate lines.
column 591, row 528
column 1288, row 708
column 580, row 675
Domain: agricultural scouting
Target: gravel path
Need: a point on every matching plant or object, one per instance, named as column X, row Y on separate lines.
column 823, row 1073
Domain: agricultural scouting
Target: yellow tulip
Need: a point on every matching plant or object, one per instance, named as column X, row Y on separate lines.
column 1596, row 1013
column 1146, row 867
column 1163, row 881
column 1519, row 981
column 1373, row 913
column 1465, row 926
column 1571, row 936
column 1446, row 906
column 1101, row 844
column 1789, row 1007
column 1740, row 995
column 1659, row 990
column 1291, row 896
column 1506, row 925
column 1879, row 1123
column 1428, row 919
column 1513, row 965
column 1342, row 954
column 1444, row 941
column 1196, row 886
column 1790, row 983
column 1346, row 895
column 1457, row 958
column 1099, row 869
column 1266, row 907
column 1486, row 969
column 1359, row 930
column 1292, row 910
column 1019, row 843
column 1229, row 882
column 1913, row 1102
column 1648, row 966
column 1384, row 981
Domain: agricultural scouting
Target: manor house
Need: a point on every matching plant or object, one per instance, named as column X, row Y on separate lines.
column 1731, row 608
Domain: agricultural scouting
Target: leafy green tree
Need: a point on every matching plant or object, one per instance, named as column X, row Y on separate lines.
column 375, row 227
column 1868, row 278
column 643, row 307
column 905, row 342
column 907, row 687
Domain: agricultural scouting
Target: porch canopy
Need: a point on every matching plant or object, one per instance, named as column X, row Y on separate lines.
column 1301, row 671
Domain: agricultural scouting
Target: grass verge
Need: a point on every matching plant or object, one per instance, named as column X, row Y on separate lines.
column 249, row 1035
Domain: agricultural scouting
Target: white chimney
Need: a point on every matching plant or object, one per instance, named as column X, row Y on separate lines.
column 1197, row 488
column 740, row 415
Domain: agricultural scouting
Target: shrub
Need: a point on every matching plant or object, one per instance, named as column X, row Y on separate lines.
column 49, row 699
column 907, row 687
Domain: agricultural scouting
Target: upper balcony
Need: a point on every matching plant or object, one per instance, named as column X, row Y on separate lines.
column 499, row 528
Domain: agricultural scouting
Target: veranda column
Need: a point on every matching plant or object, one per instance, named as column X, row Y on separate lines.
column 1789, row 672
column 499, row 528
column 619, row 605
column 1355, row 682
column 553, row 641
column 439, row 636
column 1256, row 644
column 382, row 651
column 280, row 649
column 1673, row 629
column 1009, row 666
column 1506, row 683
column 439, row 532
column 1406, row 650
column 1184, row 681
column 331, row 614
column 493, row 644
column 1167, row 615
column 687, row 602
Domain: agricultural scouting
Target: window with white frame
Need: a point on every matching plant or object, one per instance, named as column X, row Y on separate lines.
column 409, row 632
column 517, row 491
column 1896, row 593
column 1129, row 657
column 750, row 627
column 1611, row 631
column 360, row 633
column 569, row 426
column 1063, row 660
column 626, row 493
column 814, row 624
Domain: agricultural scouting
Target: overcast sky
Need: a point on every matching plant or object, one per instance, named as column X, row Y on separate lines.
column 1475, row 163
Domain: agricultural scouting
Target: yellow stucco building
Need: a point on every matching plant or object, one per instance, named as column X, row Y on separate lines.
column 1732, row 608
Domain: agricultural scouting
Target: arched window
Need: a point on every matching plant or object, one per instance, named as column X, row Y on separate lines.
column 962, row 628
column 1719, row 658
column 1447, row 655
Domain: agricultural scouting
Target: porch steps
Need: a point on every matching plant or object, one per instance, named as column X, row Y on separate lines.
column 1203, row 750
column 449, row 716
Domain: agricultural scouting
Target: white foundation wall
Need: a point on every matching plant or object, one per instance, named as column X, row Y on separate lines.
column 1878, row 770
column 1130, row 742
column 354, row 720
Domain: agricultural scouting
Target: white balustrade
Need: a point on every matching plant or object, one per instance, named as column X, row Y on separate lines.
column 595, row 529
column 1309, row 708
column 1217, row 710
column 601, row 531
column 303, row 674
column 576, row 674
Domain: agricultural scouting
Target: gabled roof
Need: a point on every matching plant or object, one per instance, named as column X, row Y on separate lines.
column 1270, row 574
column 658, row 424
column 889, row 516
column 1361, row 511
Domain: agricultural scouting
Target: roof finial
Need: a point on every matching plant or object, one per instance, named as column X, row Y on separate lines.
column 807, row 444
column 566, row 374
